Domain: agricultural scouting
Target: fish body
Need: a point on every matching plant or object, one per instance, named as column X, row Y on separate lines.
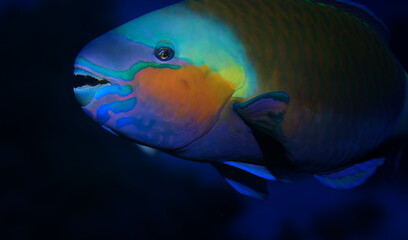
column 253, row 87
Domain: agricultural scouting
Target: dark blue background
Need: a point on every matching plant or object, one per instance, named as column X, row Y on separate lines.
column 64, row 177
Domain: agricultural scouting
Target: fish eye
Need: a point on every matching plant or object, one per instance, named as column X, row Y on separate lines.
column 164, row 51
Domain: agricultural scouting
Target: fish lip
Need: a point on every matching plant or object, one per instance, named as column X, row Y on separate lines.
column 84, row 70
column 86, row 78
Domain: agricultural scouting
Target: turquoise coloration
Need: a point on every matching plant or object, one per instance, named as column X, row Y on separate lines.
column 122, row 91
column 245, row 60
column 198, row 40
column 102, row 115
column 126, row 75
column 123, row 122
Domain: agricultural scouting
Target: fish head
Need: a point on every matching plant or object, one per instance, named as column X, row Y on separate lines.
column 160, row 80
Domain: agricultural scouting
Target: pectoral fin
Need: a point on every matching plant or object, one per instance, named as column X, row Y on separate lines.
column 256, row 170
column 350, row 177
column 244, row 182
column 264, row 112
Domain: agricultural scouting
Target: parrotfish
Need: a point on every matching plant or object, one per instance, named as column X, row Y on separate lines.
column 261, row 89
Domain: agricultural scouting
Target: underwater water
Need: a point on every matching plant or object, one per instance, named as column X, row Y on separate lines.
column 64, row 177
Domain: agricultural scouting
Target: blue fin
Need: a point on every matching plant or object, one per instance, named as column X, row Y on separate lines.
column 264, row 112
column 350, row 177
column 247, row 190
column 109, row 130
column 256, row 170
column 363, row 13
column 243, row 182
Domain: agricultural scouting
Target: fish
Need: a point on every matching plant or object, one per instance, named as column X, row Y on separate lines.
column 263, row 90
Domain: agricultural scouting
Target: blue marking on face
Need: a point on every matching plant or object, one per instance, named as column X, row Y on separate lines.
column 102, row 114
column 122, row 91
column 138, row 123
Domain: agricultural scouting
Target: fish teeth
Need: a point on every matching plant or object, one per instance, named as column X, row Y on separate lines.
column 81, row 80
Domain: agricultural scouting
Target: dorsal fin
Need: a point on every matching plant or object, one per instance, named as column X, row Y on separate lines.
column 363, row 13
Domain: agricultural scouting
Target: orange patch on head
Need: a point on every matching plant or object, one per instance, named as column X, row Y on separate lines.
column 191, row 94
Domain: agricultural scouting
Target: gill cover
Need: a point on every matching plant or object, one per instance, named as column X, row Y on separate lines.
column 172, row 109
column 163, row 83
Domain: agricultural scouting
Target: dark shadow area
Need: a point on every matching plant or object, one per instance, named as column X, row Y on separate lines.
column 399, row 37
column 353, row 221
column 63, row 177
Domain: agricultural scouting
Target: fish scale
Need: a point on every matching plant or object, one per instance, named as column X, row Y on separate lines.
column 255, row 88
column 331, row 79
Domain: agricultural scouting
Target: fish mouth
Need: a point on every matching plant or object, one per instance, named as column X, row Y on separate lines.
column 86, row 85
column 88, row 81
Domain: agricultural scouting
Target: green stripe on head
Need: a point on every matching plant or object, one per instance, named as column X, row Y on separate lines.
column 198, row 39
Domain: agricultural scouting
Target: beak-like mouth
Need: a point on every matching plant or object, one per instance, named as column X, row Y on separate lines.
column 86, row 85
column 86, row 80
